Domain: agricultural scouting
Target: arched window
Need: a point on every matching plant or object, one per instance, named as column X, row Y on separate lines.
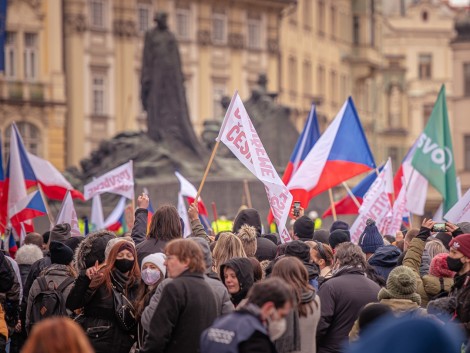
column 31, row 138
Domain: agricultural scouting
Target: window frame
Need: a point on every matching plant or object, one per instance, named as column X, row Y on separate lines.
column 31, row 57
column 102, row 23
column 11, row 55
column 181, row 12
column 95, row 88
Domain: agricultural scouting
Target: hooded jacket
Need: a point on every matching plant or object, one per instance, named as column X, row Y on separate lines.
column 244, row 272
column 385, row 260
column 265, row 248
column 92, row 249
column 25, row 257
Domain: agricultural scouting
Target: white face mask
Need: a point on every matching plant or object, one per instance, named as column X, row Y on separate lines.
column 276, row 327
column 150, row 276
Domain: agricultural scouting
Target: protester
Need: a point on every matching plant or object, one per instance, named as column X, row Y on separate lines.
column 238, row 276
column 59, row 276
column 95, row 291
column 322, row 255
column 303, row 320
column 337, row 237
column 247, row 235
column 7, row 287
column 25, row 257
column 265, row 249
column 435, row 247
column 459, row 262
column 92, row 250
column 57, row 335
column 187, row 305
column 370, row 315
column 321, row 235
column 339, row 225
column 304, row 228
column 227, row 247
column 429, row 285
column 343, row 296
column 300, row 250
column 33, row 239
column 254, row 326
column 258, row 274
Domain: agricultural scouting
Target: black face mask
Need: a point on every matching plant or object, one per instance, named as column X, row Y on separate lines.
column 124, row 265
column 454, row 264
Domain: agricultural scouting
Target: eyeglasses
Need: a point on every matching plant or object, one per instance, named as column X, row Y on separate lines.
column 321, row 250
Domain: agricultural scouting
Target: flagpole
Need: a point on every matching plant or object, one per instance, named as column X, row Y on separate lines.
column 351, row 195
column 247, row 193
column 333, row 208
column 48, row 209
column 207, row 170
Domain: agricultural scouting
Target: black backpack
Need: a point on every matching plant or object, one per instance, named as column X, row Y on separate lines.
column 49, row 301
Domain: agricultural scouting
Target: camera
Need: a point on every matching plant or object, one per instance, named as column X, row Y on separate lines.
column 296, row 211
column 439, row 227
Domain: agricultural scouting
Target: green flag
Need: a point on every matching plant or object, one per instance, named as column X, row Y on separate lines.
column 434, row 157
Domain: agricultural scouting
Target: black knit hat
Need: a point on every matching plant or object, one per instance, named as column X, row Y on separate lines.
column 339, row 225
column 298, row 249
column 304, row 227
column 60, row 253
column 74, row 242
column 338, row 236
column 372, row 313
column 321, row 235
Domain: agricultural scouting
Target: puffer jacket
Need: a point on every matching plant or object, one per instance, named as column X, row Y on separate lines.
column 428, row 285
column 385, row 260
column 55, row 273
column 244, row 272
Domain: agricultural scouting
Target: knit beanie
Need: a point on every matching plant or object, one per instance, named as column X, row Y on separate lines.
column 111, row 244
column 60, row 253
column 337, row 237
column 461, row 243
column 401, row 284
column 339, row 225
column 371, row 313
column 74, row 242
column 439, row 266
column 247, row 234
column 321, row 235
column 370, row 239
column 298, row 249
column 158, row 259
column 60, row 232
column 304, row 227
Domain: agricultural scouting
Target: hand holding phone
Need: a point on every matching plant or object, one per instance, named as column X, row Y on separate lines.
column 296, row 211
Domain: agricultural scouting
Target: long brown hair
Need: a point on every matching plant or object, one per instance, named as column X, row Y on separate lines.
column 226, row 247
column 292, row 271
column 165, row 224
column 134, row 273
column 57, row 335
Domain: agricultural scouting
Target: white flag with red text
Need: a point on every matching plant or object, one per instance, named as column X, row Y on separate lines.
column 239, row 135
column 117, row 181
column 394, row 219
column 68, row 215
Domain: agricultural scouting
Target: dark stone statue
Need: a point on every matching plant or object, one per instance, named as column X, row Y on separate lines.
column 163, row 93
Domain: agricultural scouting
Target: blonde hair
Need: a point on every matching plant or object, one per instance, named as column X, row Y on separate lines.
column 227, row 247
column 435, row 247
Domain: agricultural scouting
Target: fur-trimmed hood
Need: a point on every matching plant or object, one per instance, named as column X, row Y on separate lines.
column 92, row 249
column 28, row 254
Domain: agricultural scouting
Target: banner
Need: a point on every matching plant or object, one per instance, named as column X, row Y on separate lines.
column 239, row 135
column 183, row 212
column 394, row 219
column 376, row 205
column 117, row 181
column 461, row 210
column 68, row 215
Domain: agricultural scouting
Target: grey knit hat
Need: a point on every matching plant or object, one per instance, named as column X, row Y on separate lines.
column 401, row 284
column 60, row 232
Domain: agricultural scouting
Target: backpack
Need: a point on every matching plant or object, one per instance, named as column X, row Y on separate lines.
column 49, row 301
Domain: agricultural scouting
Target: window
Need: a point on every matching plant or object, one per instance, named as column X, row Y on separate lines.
column 97, row 8
column 333, row 22
column 219, row 28
column 321, row 80
column 217, row 109
column 424, row 16
column 254, row 33
column 98, row 90
column 293, row 77
column 182, row 23
column 466, row 145
column 466, row 77
column 10, row 55
column 425, row 66
column 143, row 17
column 334, row 88
column 31, row 138
column 307, row 14
column 307, row 78
column 427, row 110
column 30, row 56
column 321, row 18
column 356, row 30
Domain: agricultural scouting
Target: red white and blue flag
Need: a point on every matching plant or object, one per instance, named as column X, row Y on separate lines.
column 341, row 153
column 309, row 136
column 21, row 201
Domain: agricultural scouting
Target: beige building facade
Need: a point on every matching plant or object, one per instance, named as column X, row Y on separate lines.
column 32, row 87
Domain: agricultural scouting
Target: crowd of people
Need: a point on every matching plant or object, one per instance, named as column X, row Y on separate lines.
column 151, row 290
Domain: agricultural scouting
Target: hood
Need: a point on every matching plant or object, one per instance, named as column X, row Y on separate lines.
column 28, row 254
column 385, row 256
column 244, row 271
column 92, row 249
column 206, row 251
column 57, row 270
column 248, row 216
column 400, row 305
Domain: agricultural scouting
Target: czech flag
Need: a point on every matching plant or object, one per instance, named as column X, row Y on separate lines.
column 20, row 200
column 342, row 152
column 116, row 221
column 346, row 206
column 189, row 191
column 12, row 247
column 309, row 136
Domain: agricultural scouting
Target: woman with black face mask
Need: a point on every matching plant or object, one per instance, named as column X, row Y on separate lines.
column 94, row 295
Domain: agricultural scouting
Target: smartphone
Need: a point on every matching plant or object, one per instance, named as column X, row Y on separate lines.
column 439, row 227
column 296, row 208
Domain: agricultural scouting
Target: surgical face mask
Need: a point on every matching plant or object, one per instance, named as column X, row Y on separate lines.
column 454, row 264
column 150, row 276
column 276, row 327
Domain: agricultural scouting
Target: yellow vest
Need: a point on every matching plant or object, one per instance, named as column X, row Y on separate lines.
column 222, row 226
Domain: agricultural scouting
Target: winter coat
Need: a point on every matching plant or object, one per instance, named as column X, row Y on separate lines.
column 342, row 297
column 187, row 307
column 92, row 249
column 428, row 285
column 244, row 272
column 35, row 270
column 385, row 260
column 98, row 319
column 55, row 273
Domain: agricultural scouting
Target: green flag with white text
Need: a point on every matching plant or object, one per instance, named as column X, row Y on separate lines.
column 434, row 156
